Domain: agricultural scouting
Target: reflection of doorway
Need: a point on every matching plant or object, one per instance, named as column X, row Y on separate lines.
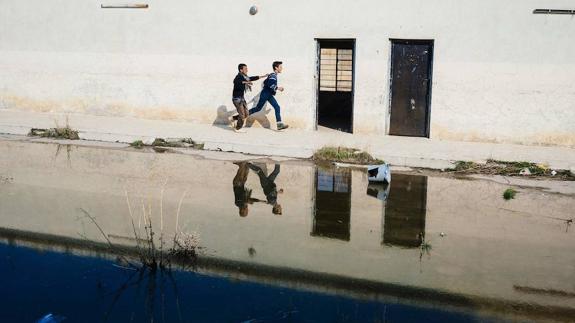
column 335, row 91
column 405, row 211
column 411, row 70
column 332, row 209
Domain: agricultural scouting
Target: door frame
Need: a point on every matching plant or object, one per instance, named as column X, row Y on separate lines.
column 318, row 75
column 430, row 84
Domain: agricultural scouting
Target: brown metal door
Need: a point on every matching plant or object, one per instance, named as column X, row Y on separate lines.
column 410, row 87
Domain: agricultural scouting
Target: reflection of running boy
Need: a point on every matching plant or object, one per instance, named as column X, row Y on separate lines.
column 267, row 95
column 243, row 196
column 269, row 187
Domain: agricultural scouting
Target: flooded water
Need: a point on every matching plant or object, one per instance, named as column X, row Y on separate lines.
column 275, row 242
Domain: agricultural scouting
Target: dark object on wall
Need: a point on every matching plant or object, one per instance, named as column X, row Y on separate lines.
column 554, row 12
column 125, row 6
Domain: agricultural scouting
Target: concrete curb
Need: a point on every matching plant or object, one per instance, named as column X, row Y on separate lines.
column 296, row 143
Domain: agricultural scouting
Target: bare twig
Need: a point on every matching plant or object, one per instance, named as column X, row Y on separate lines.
column 132, row 219
column 178, row 213
column 89, row 216
column 97, row 226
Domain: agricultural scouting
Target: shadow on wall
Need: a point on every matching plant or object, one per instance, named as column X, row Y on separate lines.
column 260, row 116
column 224, row 117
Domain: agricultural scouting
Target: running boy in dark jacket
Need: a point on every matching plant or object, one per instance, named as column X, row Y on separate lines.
column 242, row 83
column 268, row 92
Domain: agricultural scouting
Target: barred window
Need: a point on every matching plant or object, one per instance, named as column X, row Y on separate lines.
column 336, row 70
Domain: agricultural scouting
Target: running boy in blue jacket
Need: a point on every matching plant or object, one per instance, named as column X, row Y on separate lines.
column 268, row 92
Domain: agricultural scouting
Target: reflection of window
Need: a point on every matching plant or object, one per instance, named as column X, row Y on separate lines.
column 332, row 204
column 333, row 181
column 336, row 70
column 324, row 181
column 341, row 183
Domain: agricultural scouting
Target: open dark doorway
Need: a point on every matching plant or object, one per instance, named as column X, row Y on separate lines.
column 335, row 91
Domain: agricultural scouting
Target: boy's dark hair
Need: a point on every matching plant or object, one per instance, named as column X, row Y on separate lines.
column 276, row 64
column 241, row 66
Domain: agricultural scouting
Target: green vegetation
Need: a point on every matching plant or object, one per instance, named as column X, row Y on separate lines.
column 163, row 143
column 509, row 194
column 137, row 144
column 160, row 142
column 464, row 165
column 345, row 155
column 56, row 133
column 517, row 167
column 505, row 168
column 190, row 143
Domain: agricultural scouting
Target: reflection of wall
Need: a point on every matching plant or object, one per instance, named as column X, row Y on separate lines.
column 405, row 210
column 332, row 209
column 490, row 244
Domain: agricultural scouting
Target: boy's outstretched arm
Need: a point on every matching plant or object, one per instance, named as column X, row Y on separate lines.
column 255, row 168
column 255, row 78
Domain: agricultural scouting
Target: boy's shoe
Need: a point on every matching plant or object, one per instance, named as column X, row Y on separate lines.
column 241, row 130
column 234, row 122
column 282, row 126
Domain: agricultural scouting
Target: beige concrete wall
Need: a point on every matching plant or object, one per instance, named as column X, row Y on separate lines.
column 500, row 74
column 489, row 246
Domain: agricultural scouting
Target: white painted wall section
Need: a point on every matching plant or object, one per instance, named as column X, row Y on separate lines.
column 500, row 73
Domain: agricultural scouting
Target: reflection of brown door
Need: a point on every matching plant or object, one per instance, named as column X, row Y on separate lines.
column 410, row 87
column 405, row 210
column 332, row 204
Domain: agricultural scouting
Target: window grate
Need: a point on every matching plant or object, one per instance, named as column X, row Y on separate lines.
column 336, row 70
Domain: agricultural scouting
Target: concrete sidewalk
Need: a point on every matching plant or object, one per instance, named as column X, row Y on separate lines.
column 401, row 151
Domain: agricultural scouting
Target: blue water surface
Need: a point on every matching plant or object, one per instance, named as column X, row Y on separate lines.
column 89, row 289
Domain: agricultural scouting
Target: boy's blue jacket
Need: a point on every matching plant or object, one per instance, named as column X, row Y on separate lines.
column 271, row 83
